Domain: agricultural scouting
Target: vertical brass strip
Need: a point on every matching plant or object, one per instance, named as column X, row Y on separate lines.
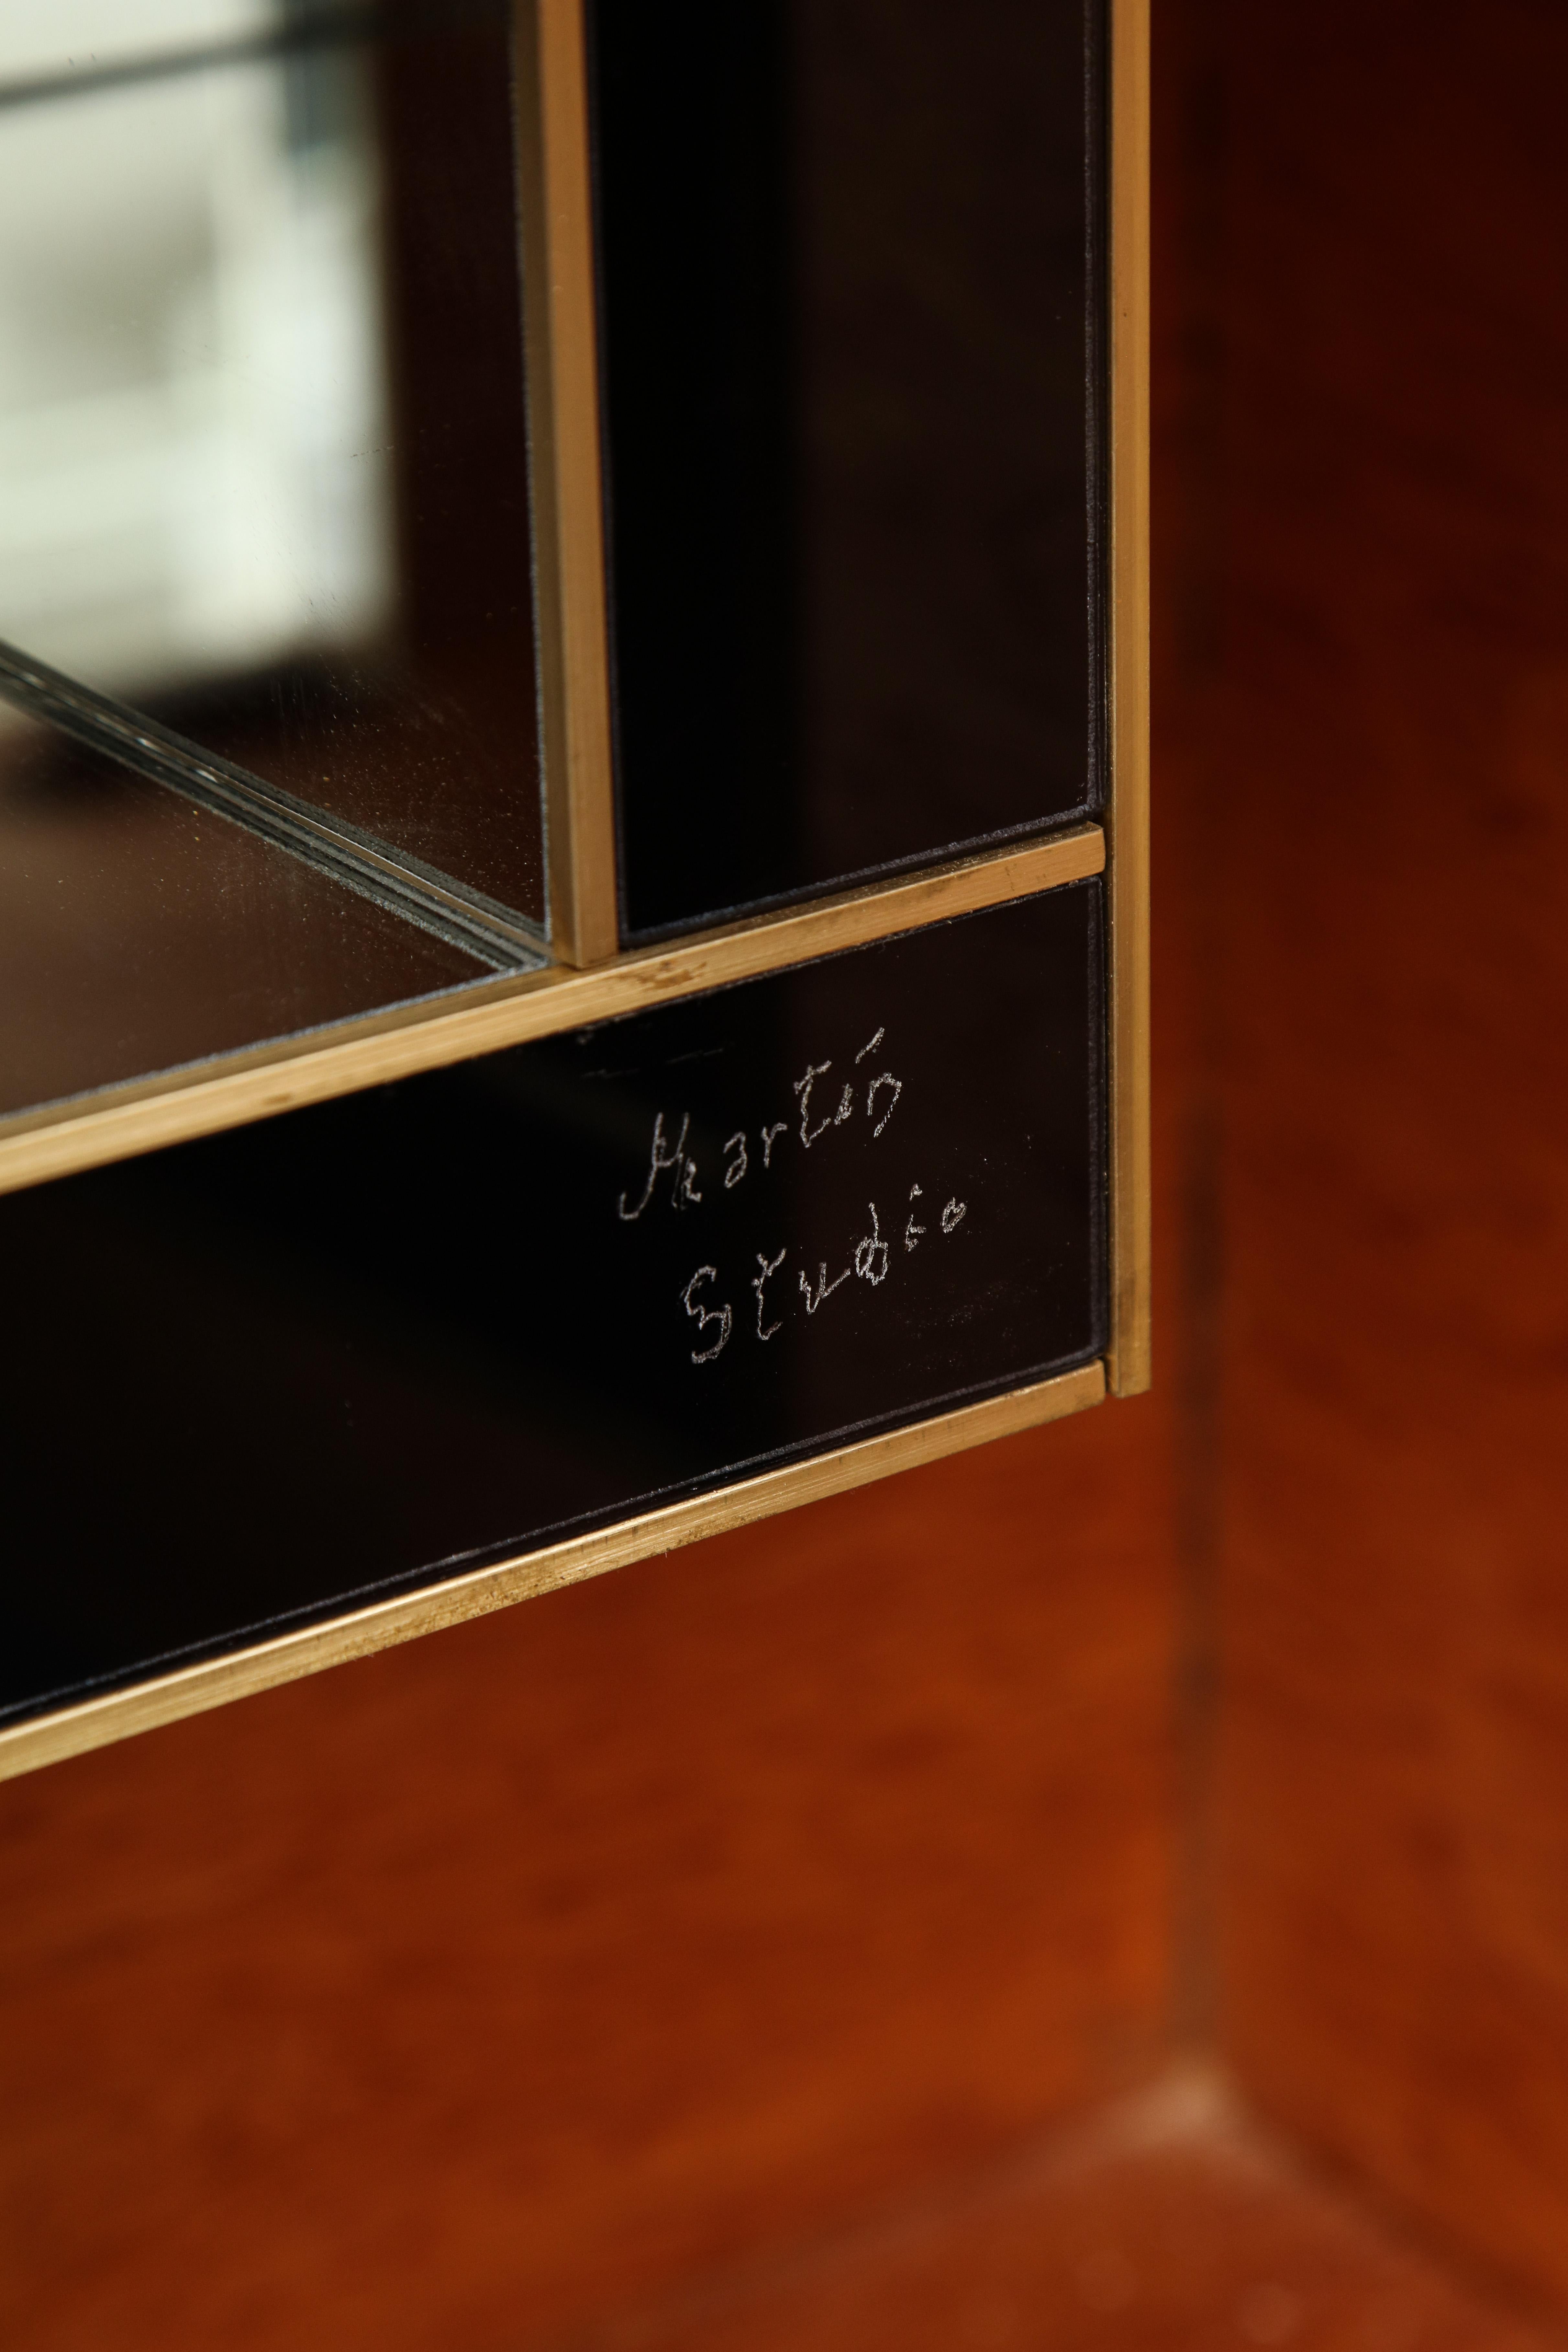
column 1127, row 824
column 556, row 204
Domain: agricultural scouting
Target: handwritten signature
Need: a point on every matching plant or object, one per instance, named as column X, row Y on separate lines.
column 871, row 1260
column 871, row 1256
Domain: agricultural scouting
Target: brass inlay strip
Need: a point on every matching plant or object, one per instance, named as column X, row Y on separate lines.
column 562, row 347
column 38, row 1145
column 193, row 1689
column 1127, row 822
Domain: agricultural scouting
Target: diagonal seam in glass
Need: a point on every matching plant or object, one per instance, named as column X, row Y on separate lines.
column 358, row 860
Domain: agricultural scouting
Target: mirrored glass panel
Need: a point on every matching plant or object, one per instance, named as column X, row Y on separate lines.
column 262, row 440
column 66, row 39
column 140, row 930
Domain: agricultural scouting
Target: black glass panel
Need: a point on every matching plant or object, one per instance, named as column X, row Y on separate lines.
column 849, row 311
column 256, row 1379
column 262, row 439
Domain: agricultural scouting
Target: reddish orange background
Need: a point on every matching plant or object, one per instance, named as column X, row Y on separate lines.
column 483, row 1991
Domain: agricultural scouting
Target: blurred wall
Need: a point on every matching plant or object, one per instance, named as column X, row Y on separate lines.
column 1380, row 209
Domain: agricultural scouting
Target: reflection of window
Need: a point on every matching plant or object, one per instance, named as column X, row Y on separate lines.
column 263, row 456
column 193, row 477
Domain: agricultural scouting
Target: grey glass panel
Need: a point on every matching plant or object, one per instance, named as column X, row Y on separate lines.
column 262, row 446
column 138, row 932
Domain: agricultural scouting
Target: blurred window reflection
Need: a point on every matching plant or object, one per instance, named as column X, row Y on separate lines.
column 263, row 450
column 193, row 473
column 69, row 37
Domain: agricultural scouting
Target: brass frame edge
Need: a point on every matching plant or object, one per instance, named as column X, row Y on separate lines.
column 1127, row 823
column 562, row 371
column 239, row 1090
column 192, row 1690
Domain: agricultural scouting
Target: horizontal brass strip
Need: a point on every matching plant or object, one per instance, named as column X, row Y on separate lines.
column 192, row 1690
column 239, row 1088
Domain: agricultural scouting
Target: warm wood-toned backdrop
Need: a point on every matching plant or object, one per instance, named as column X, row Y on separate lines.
column 1391, row 937
column 497, row 1987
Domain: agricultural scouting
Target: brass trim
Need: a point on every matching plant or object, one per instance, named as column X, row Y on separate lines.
column 239, row 1088
column 73, row 1732
column 560, row 333
column 1127, row 821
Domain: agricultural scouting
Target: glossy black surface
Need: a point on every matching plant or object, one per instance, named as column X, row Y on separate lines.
column 263, row 454
column 255, row 1380
column 850, row 315
column 138, row 932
